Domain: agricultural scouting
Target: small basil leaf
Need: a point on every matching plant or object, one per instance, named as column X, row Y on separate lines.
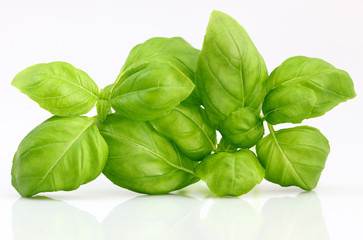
column 230, row 71
column 294, row 156
column 243, row 128
column 103, row 103
column 62, row 153
column 176, row 51
column 225, row 146
column 330, row 85
column 150, row 90
column 288, row 104
column 189, row 129
column 58, row 87
column 141, row 160
column 230, row 174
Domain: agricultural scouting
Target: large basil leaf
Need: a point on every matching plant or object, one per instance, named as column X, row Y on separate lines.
column 288, row 104
column 150, row 90
column 294, row 156
column 58, row 87
column 176, row 51
column 188, row 127
column 60, row 154
column 243, row 128
column 330, row 85
column 230, row 174
column 141, row 160
column 230, row 71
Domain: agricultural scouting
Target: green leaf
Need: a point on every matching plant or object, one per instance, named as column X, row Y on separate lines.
column 103, row 103
column 230, row 71
column 58, row 87
column 330, row 85
column 150, row 90
column 60, row 154
column 288, row 104
column 230, row 174
column 243, row 128
column 176, row 51
column 294, row 156
column 141, row 160
column 225, row 146
column 187, row 126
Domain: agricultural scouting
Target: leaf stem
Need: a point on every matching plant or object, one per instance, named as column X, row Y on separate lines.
column 271, row 129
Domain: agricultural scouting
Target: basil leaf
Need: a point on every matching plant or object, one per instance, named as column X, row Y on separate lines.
column 187, row 126
column 62, row 153
column 150, row 90
column 230, row 174
column 330, row 85
column 230, row 71
column 294, row 156
column 58, row 87
column 225, row 146
column 288, row 104
column 141, row 160
column 103, row 103
column 243, row 128
column 178, row 52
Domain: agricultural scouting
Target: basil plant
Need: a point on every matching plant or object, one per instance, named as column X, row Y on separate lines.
column 156, row 126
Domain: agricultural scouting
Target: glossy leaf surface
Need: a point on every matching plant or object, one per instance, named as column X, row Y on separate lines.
column 175, row 50
column 141, row 160
column 230, row 174
column 243, row 128
column 187, row 126
column 150, row 90
column 62, row 153
column 294, row 156
column 58, row 87
column 330, row 85
column 288, row 104
column 230, row 71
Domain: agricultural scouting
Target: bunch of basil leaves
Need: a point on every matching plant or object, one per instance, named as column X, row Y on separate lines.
column 168, row 101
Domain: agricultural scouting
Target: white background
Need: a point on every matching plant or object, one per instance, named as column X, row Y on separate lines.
column 96, row 37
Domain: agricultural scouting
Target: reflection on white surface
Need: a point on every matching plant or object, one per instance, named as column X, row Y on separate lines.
column 174, row 217
column 152, row 217
column 294, row 218
column 44, row 218
column 230, row 218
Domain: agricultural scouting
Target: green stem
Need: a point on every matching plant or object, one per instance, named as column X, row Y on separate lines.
column 271, row 129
